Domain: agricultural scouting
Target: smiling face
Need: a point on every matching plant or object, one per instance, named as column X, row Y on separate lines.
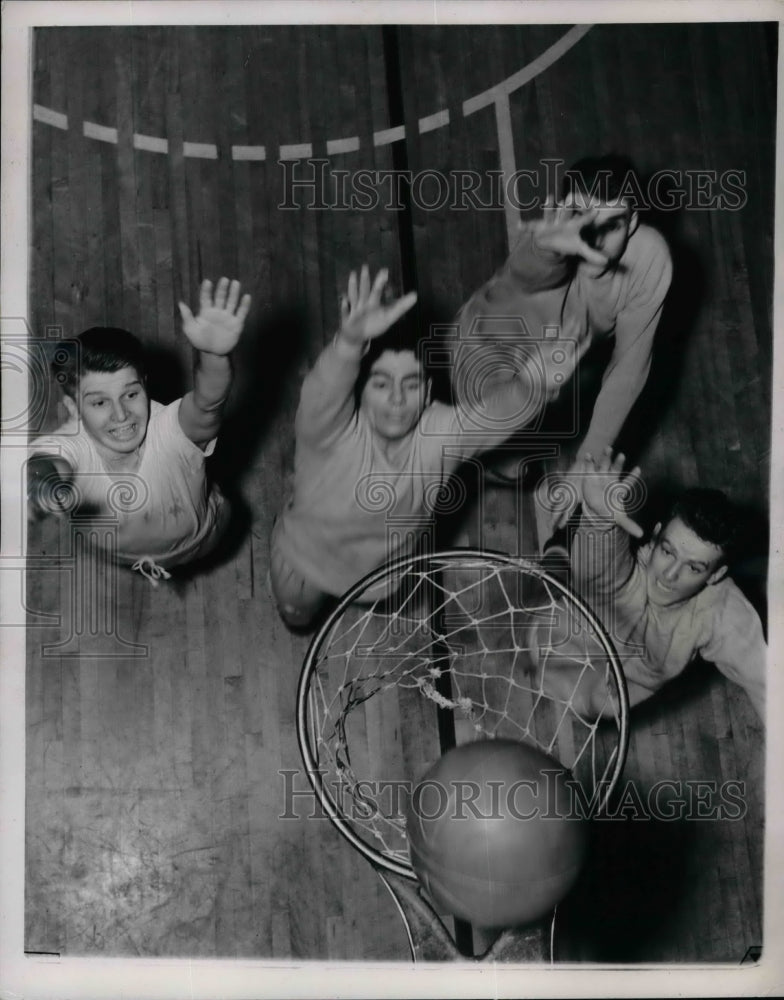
column 682, row 564
column 114, row 409
column 395, row 394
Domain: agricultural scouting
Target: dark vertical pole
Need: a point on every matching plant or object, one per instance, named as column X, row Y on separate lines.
column 405, row 223
column 408, row 266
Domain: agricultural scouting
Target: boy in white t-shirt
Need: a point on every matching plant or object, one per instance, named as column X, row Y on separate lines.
column 142, row 464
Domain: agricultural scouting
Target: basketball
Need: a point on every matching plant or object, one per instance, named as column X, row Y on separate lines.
column 490, row 833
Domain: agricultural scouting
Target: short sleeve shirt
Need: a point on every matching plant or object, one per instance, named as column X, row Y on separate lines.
column 165, row 510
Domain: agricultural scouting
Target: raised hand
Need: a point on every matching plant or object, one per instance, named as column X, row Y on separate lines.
column 218, row 326
column 560, row 230
column 604, row 489
column 363, row 314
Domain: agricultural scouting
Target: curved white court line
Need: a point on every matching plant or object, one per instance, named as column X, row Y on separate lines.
column 527, row 73
column 350, row 144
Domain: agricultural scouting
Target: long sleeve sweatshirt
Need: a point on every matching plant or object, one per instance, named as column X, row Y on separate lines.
column 352, row 508
column 543, row 291
column 656, row 643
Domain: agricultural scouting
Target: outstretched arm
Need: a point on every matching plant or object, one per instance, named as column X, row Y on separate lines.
column 546, row 251
column 512, row 393
column 738, row 648
column 627, row 372
column 606, row 491
column 601, row 557
column 214, row 333
column 327, row 400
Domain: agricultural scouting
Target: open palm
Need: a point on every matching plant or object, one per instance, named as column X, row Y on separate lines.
column 560, row 230
column 218, row 326
column 363, row 314
column 604, row 489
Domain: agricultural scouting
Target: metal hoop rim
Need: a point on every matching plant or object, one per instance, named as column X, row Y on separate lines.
column 312, row 770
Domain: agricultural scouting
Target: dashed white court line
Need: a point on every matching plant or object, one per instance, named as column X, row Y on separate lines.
column 432, row 122
column 351, row 144
column 248, row 152
column 49, row 117
column 104, row 133
column 201, row 150
column 388, row 135
column 150, row 142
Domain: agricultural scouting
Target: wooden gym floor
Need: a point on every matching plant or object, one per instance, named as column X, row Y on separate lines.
column 156, row 745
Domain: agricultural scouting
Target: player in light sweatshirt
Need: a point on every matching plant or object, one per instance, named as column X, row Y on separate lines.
column 587, row 270
column 663, row 602
column 372, row 451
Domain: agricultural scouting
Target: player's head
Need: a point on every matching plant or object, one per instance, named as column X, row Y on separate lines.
column 691, row 548
column 393, row 388
column 610, row 185
column 102, row 375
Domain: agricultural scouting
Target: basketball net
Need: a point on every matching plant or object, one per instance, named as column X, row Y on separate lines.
column 471, row 645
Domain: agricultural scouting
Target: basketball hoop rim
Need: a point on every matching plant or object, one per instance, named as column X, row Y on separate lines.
column 312, row 770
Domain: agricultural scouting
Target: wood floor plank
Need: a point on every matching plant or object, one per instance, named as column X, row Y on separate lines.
column 126, row 186
column 182, row 282
column 60, row 209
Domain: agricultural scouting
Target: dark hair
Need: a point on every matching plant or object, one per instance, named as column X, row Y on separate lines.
column 99, row 349
column 403, row 336
column 605, row 177
column 711, row 515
